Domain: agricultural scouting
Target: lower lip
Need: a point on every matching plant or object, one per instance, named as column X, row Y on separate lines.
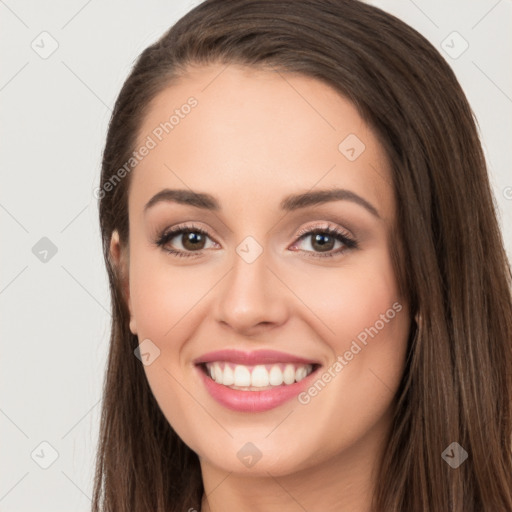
column 253, row 401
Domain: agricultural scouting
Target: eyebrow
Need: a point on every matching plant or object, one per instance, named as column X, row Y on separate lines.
column 289, row 203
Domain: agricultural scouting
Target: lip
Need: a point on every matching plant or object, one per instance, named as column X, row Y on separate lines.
column 253, row 401
column 252, row 358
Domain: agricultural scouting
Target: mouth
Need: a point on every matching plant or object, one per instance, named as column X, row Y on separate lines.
column 254, row 381
column 255, row 388
column 260, row 377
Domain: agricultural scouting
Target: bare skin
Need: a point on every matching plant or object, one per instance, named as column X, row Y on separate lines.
column 253, row 138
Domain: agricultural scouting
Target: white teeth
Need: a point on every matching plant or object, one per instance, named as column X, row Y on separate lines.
column 289, row 374
column 300, row 374
column 276, row 376
column 242, row 376
column 228, row 378
column 218, row 374
column 259, row 376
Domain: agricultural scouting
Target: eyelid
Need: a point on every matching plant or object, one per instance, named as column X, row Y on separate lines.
column 325, row 225
column 175, row 230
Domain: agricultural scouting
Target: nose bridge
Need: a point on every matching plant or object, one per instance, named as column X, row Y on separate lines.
column 251, row 294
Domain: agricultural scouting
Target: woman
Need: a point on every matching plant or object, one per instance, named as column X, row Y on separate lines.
column 341, row 338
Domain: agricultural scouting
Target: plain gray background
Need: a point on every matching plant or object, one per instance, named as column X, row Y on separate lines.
column 54, row 114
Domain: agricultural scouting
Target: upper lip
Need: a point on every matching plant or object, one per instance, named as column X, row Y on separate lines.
column 252, row 358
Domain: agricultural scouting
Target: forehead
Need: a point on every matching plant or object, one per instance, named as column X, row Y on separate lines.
column 236, row 130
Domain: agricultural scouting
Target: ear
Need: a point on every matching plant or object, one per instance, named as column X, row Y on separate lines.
column 119, row 259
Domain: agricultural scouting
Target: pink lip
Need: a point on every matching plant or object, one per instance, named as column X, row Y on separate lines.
column 252, row 358
column 254, row 401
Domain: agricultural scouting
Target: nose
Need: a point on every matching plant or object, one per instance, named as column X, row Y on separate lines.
column 252, row 298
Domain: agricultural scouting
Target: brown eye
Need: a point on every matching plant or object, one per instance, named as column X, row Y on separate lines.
column 323, row 240
column 191, row 239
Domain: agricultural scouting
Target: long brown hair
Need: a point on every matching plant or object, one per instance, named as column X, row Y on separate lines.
column 452, row 266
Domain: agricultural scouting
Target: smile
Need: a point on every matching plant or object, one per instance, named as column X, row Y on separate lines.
column 258, row 377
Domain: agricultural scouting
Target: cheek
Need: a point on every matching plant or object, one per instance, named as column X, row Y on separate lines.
column 163, row 294
column 365, row 323
column 368, row 330
column 350, row 300
column 165, row 302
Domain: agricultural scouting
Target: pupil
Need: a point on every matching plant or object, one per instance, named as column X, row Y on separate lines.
column 194, row 239
column 324, row 245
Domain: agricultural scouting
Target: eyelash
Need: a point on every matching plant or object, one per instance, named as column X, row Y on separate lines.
column 166, row 236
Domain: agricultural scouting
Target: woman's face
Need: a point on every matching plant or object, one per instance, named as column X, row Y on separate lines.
column 263, row 145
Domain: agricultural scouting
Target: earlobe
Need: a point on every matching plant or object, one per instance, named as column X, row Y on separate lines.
column 115, row 249
column 118, row 258
column 133, row 324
